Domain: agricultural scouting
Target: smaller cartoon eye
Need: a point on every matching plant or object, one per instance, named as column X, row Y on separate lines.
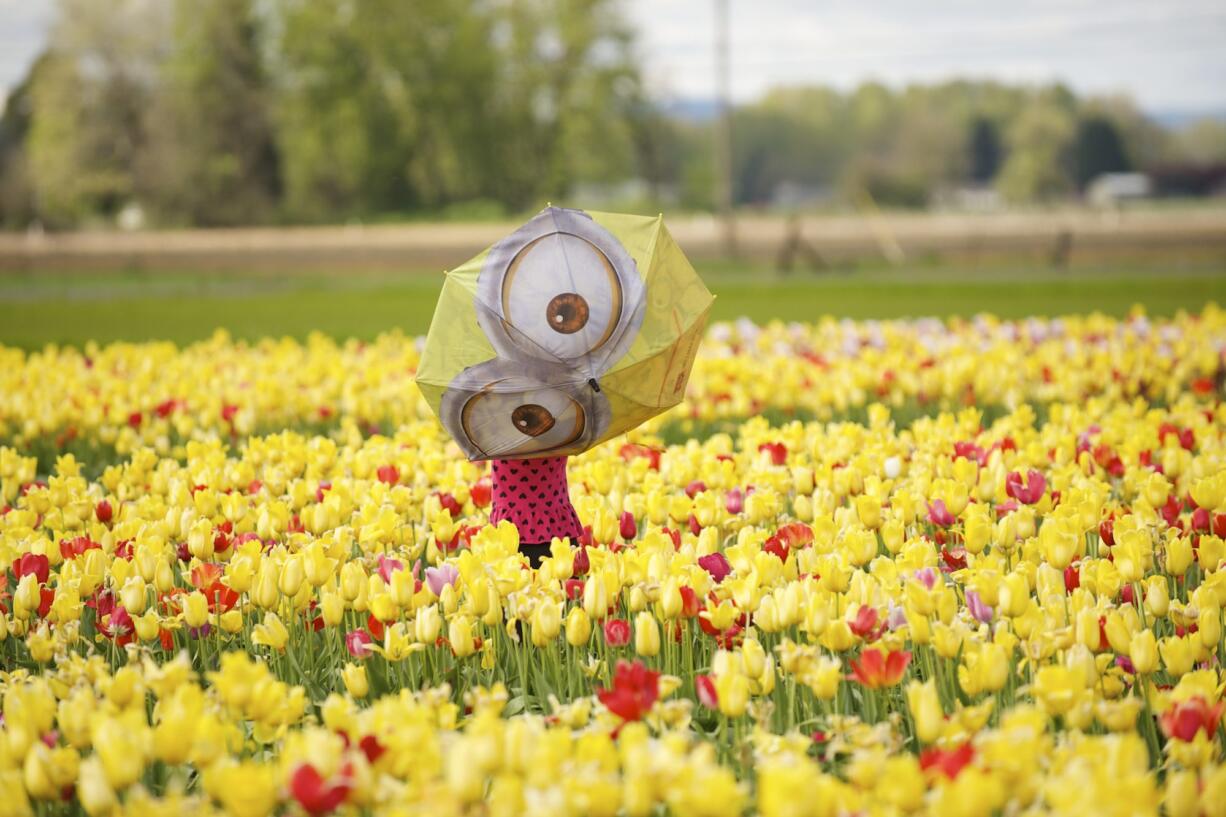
column 567, row 313
column 532, row 419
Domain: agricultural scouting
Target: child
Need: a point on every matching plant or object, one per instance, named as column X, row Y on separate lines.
column 533, row 495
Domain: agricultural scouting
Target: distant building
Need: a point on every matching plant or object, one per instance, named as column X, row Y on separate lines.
column 1189, row 180
column 1114, row 188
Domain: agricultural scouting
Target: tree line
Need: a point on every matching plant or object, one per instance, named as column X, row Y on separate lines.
column 221, row 112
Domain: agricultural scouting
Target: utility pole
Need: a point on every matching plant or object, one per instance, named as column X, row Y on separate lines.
column 723, row 132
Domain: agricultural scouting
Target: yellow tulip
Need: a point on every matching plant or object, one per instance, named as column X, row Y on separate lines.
column 195, row 609
column 271, row 633
column 578, row 627
column 354, row 676
column 1143, row 651
column 926, row 710
column 646, row 635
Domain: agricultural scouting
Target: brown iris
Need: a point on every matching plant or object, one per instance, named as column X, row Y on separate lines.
column 567, row 313
column 532, row 419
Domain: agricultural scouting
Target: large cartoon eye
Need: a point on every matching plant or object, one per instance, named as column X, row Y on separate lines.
column 522, row 408
column 562, row 294
column 521, row 423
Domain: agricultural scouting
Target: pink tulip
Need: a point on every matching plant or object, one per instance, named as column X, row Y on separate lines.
column 1030, row 492
column 439, row 577
column 939, row 515
column 389, row 566
column 358, row 642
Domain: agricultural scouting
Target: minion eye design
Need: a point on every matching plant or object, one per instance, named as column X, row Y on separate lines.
column 508, row 409
column 560, row 288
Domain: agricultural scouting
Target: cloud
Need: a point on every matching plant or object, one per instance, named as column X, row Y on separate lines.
column 1165, row 54
column 23, row 31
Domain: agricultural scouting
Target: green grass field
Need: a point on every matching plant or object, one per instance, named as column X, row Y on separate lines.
column 76, row 307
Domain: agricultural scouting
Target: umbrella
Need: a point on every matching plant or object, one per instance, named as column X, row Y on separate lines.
column 573, row 329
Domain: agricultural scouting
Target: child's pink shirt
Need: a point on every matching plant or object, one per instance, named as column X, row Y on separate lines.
column 534, row 496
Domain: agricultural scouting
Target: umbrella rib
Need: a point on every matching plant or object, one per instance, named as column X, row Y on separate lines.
column 553, row 216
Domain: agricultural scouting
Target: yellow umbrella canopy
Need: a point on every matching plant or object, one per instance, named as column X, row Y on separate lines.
column 575, row 328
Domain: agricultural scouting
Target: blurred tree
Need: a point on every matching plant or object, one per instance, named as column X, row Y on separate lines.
column 210, row 136
column 1038, row 141
column 1203, row 142
column 87, row 126
column 16, row 189
column 985, row 150
column 394, row 105
column 1097, row 149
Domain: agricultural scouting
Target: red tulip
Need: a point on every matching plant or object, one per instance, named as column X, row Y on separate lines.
column 1184, row 719
column 482, row 492
column 388, row 474
column 628, row 529
column 717, row 565
column 865, row 621
column 690, row 604
column 635, row 690
column 1072, row 578
column 617, row 632
column 34, row 563
column 695, row 488
column 314, row 794
column 778, row 452
column 949, row 762
column 449, row 502
column 581, row 564
column 876, row 669
column 103, row 511
column 705, row 687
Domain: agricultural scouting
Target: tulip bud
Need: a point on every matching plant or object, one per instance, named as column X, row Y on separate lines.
column 133, row 595
column 595, row 598
column 1118, row 632
column 460, row 634
column 893, row 535
column 1209, row 625
column 1157, row 596
column 1014, row 594
column 732, row 690
column 627, row 528
column 266, row 593
column 578, row 627
column 195, row 609
column 646, row 635
column 1086, row 629
column 26, row 598
column 1143, row 651
column 926, row 710
column 1178, row 556
column 292, row 576
column 428, row 624
column 332, row 607
column 868, row 510
column 546, row 623
column 753, row 657
column 354, row 676
column 670, row 599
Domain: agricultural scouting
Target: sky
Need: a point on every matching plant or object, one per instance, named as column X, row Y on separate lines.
column 1167, row 54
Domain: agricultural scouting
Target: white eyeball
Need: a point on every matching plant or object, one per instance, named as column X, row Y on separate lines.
column 503, row 409
column 561, row 288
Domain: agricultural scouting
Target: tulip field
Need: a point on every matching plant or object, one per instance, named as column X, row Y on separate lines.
column 960, row 567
